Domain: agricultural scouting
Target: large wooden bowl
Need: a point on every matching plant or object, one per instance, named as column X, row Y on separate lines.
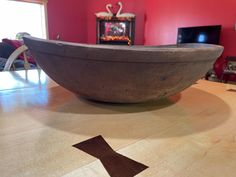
column 123, row 74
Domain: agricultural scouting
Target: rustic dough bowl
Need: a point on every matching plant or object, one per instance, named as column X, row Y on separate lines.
column 123, row 74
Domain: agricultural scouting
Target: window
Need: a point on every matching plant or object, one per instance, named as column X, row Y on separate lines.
column 22, row 16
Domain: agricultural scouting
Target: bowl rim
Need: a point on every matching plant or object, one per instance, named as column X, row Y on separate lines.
column 118, row 53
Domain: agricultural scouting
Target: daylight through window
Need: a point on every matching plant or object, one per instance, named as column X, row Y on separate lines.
column 16, row 16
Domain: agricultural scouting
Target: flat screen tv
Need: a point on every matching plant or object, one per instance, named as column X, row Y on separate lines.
column 199, row 34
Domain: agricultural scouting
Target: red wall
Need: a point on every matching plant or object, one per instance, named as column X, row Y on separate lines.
column 75, row 20
column 68, row 19
column 157, row 20
column 165, row 16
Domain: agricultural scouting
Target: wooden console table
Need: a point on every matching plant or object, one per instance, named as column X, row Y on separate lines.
column 192, row 134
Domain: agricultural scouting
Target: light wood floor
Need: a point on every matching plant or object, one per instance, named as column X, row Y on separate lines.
column 192, row 134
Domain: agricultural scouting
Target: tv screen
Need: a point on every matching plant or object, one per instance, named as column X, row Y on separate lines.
column 199, row 34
